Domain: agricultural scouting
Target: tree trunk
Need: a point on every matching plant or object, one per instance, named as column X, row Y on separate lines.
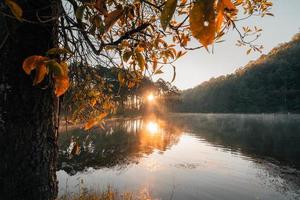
column 28, row 135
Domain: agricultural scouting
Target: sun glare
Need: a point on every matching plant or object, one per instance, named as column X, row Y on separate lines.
column 150, row 97
column 152, row 127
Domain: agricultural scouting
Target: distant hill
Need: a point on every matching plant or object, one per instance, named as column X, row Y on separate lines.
column 269, row 84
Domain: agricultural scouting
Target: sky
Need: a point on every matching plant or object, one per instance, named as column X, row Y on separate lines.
column 199, row 65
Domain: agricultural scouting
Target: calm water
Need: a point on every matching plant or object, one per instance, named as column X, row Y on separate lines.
column 187, row 156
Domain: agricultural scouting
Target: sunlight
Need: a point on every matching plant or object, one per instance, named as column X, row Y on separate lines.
column 150, row 97
column 152, row 127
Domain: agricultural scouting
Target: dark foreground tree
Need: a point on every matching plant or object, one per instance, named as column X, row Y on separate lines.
column 132, row 35
column 28, row 129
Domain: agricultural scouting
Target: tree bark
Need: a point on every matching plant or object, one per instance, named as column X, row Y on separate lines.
column 28, row 134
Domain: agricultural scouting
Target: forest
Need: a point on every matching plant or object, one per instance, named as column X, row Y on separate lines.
column 271, row 84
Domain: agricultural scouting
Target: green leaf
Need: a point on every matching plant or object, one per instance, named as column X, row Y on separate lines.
column 80, row 11
column 57, row 51
column 55, row 67
column 167, row 13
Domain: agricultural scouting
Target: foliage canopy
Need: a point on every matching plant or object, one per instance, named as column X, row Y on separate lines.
column 137, row 37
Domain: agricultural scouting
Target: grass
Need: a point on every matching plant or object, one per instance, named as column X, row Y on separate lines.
column 108, row 194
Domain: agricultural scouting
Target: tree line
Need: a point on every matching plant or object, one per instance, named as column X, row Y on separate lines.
column 270, row 84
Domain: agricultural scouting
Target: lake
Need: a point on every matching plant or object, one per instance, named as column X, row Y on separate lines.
column 186, row 156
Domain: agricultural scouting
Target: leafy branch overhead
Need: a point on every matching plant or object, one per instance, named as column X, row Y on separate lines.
column 137, row 37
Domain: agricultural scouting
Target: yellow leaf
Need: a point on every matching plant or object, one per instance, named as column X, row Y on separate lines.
column 167, row 13
column 112, row 17
column 202, row 21
column 32, row 62
column 61, row 84
column 158, row 71
column 140, row 60
column 41, row 72
column 154, row 61
column 121, row 77
column 15, row 9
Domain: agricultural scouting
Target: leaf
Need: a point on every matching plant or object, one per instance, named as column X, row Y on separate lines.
column 140, row 60
column 32, row 62
column 202, row 21
column 15, row 9
column 41, row 72
column 101, row 6
column 228, row 4
column 158, row 71
column 127, row 55
column 220, row 15
column 94, row 121
column 112, row 17
column 167, row 13
column 180, row 54
column 131, row 84
column 93, row 102
column 174, row 74
column 79, row 12
column 64, row 67
column 57, row 51
column 121, row 77
column 270, row 14
column 56, row 68
column 249, row 51
column 155, row 62
column 76, row 149
column 61, row 84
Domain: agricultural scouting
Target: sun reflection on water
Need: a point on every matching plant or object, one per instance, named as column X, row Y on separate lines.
column 152, row 127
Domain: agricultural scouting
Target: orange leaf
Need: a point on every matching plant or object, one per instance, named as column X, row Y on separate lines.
column 202, row 22
column 101, row 6
column 219, row 21
column 41, row 72
column 61, row 85
column 94, row 121
column 90, row 124
column 32, row 62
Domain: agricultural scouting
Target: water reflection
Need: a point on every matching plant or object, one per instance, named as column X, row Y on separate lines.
column 152, row 127
column 120, row 143
column 203, row 155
